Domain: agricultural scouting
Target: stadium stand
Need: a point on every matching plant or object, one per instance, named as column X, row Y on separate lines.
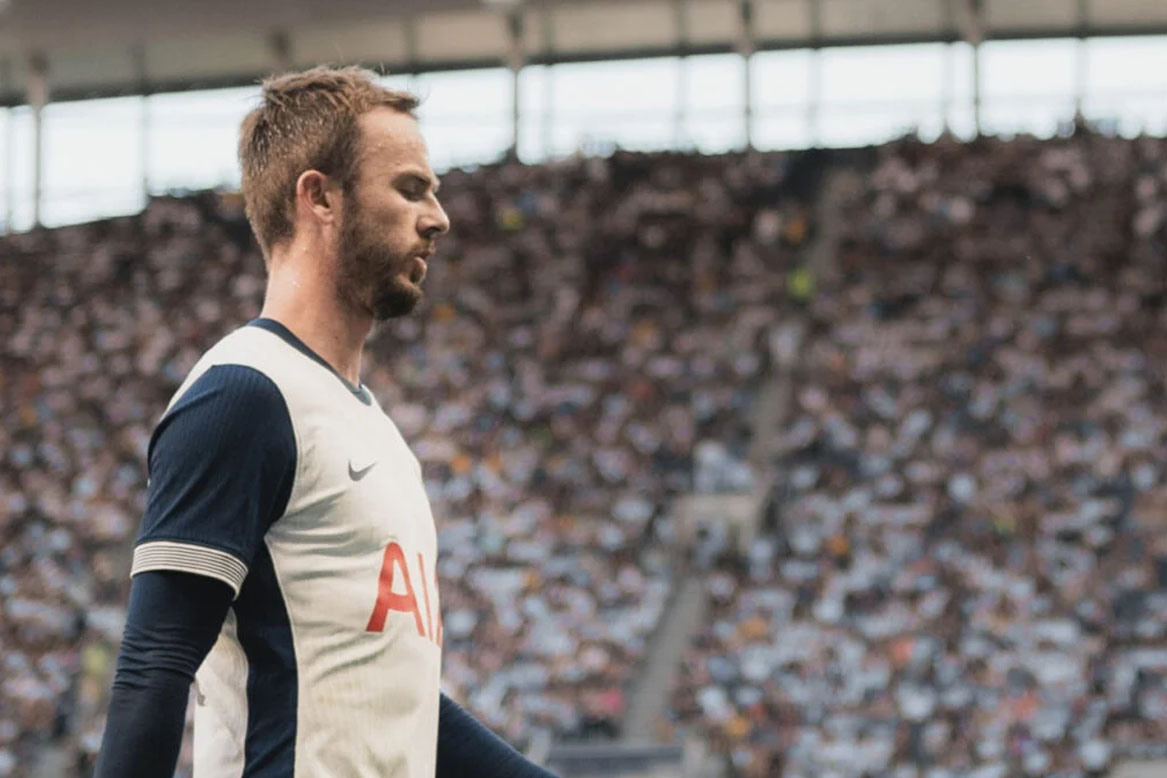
column 567, row 367
column 965, row 572
column 959, row 573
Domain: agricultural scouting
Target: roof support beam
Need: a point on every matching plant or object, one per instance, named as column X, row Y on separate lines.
column 38, row 98
column 548, row 23
column 681, row 113
column 747, row 44
column 516, row 58
column 971, row 20
column 412, row 56
column 145, row 125
column 1081, row 65
column 280, row 44
column 9, row 150
column 815, row 74
column 947, row 97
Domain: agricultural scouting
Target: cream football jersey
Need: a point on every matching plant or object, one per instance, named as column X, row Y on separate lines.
column 303, row 498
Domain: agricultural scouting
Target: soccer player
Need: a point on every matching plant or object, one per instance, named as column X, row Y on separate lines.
column 286, row 560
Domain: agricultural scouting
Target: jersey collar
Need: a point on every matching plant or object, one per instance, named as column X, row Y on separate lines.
column 271, row 325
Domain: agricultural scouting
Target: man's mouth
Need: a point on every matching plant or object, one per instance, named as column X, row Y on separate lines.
column 418, row 268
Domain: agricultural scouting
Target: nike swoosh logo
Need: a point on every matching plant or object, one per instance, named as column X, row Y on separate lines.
column 357, row 475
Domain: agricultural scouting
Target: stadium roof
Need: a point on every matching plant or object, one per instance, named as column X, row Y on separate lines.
column 112, row 47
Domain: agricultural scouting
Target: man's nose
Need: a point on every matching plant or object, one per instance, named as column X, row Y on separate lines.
column 434, row 223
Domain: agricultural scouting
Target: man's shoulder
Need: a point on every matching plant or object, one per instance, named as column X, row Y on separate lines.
column 243, row 389
column 248, row 345
column 251, row 349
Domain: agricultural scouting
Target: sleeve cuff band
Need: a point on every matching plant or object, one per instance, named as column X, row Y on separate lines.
column 190, row 558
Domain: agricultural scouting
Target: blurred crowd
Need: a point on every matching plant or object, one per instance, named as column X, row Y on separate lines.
column 588, row 325
column 594, row 322
column 964, row 569
column 100, row 323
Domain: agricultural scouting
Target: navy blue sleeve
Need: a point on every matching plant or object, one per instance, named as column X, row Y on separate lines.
column 467, row 748
column 222, row 462
column 172, row 622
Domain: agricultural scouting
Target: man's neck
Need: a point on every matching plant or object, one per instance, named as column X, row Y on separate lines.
column 308, row 306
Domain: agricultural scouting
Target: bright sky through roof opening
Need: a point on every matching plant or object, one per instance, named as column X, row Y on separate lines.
column 97, row 152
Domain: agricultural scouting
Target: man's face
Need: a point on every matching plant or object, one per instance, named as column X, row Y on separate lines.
column 391, row 218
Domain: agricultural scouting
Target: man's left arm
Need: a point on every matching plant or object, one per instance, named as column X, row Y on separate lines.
column 467, row 749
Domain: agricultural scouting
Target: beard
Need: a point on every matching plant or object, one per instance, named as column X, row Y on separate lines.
column 370, row 272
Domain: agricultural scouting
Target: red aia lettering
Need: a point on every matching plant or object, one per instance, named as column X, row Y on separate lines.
column 386, row 599
column 425, row 590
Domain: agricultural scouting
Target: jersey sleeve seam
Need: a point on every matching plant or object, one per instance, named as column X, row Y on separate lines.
column 296, row 472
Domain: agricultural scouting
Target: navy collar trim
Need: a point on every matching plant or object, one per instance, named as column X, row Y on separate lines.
column 274, row 327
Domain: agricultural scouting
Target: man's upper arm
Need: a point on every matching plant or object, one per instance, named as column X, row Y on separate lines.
column 221, row 462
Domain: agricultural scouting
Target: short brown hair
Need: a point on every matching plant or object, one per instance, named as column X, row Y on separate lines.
column 307, row 121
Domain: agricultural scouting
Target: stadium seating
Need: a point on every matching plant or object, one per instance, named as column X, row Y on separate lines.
column 966, row 569
column 961, row 573
column 588, row 324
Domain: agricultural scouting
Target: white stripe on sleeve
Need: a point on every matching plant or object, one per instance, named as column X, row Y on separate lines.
column 190, row 558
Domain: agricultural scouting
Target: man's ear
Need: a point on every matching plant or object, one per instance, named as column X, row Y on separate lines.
column 317, row 197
